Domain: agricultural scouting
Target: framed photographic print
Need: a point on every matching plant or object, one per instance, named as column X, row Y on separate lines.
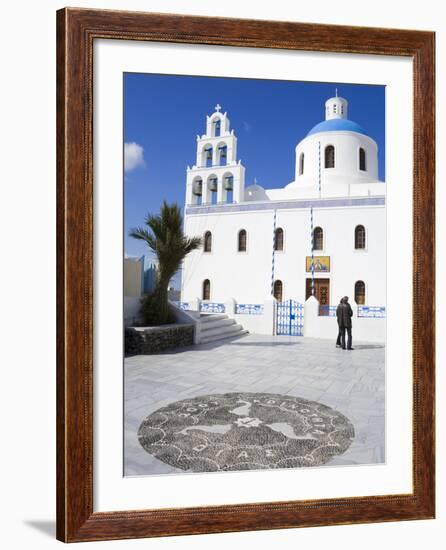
column 245, row 275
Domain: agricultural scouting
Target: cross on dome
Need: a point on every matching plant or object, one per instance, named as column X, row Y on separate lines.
column 218, row 107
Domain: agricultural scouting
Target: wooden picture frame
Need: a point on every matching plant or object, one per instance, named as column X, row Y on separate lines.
column 77, row 29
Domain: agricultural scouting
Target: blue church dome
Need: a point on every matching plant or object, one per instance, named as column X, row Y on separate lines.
column 337, row 125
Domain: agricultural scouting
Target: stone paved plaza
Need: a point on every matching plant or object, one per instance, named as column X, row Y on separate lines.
column 351, row 383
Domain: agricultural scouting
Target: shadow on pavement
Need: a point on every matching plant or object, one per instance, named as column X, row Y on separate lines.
column 267, row 344
column 239, row 341
column 368, row 346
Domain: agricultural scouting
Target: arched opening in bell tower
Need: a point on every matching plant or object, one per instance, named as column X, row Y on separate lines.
column 228, row 188
column 222, row 154
column 212, row 184
column 197, row 190
column 216, row 127
column 207, row 156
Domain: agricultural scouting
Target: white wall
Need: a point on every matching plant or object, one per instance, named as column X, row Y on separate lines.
column 364, row 329
column 28, row 193
column 246, row 276
column 346, row 166
column 132, row 305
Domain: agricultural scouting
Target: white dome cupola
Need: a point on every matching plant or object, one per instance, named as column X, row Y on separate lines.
column 336, row 107
column 335, row 153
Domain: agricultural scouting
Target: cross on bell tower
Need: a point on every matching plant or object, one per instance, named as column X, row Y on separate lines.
column 218, row 107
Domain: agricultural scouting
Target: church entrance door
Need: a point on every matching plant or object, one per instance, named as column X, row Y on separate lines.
column 321, row 293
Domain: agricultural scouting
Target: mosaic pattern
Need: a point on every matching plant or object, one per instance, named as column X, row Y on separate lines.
column 245, row 431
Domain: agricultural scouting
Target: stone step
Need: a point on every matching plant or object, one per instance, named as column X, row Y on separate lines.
column 215, row 331
column 216, row 324
column 229, row 332
column 209, row 317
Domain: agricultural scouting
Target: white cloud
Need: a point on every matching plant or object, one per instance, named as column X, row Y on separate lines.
column 133, row 156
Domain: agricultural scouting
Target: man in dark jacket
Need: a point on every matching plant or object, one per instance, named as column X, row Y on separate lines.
column 344, row 315
column 340, row 330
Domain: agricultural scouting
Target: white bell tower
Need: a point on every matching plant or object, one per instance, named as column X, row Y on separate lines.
column 217, row 177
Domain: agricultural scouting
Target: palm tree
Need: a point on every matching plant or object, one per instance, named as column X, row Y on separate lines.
column 170, row 245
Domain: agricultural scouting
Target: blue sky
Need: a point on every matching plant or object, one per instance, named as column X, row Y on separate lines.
column 164, row 113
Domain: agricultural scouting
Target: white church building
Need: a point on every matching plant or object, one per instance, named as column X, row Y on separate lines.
column 320, row 237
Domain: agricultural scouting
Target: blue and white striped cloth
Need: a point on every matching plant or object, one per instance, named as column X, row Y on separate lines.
column 274, row 253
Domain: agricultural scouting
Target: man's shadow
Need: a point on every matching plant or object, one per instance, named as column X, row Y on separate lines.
column 368, row 346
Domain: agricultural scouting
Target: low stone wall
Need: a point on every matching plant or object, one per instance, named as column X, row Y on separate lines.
column 149, row 340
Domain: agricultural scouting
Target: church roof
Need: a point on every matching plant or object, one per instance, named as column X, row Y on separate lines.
column 337, row 125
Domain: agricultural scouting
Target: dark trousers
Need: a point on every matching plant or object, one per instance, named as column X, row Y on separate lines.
column 341, row 337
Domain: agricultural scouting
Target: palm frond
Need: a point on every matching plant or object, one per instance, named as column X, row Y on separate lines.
column 166, row 238
column 139, row 233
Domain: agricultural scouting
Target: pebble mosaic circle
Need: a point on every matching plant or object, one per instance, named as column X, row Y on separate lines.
column 245, row 431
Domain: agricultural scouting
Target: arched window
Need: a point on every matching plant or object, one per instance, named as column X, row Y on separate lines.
column 208, row 156
column 318, row 238
column 217, row 127
column 206, row 289
column 329, row 156
column 360, row 293
column 242, row 240
column 301, row 164
column 278, row 287
column 207, row 246
column 278, row 239
column 359, row 237
column 362, row 163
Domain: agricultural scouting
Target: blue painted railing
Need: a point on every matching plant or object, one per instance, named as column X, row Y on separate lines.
column 327, row 311
column 183, row 305
column 212, row 307
column 249, row 309
column 375, row 312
